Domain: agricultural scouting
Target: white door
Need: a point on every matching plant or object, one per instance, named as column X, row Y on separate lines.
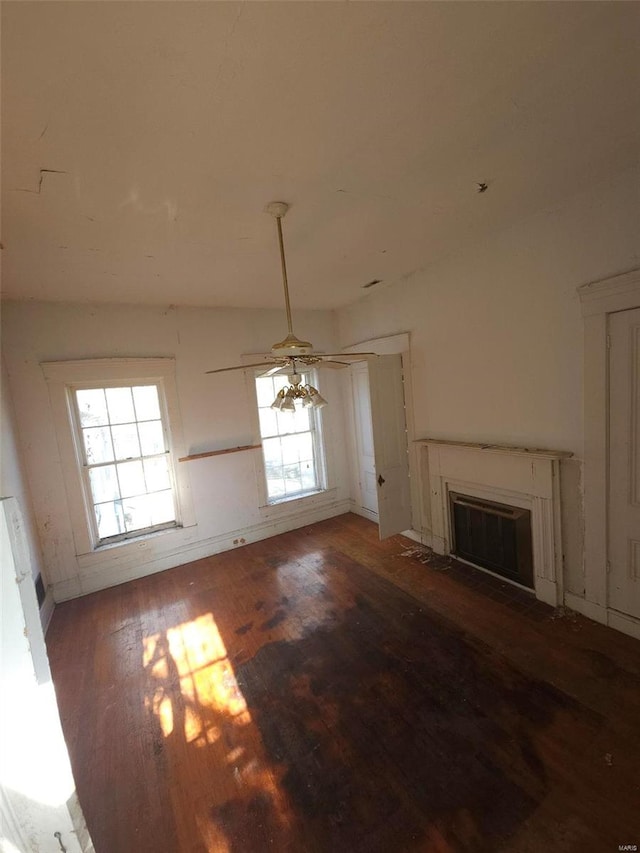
column 37, row 791
column 389, row 427
column 624, row 462
column 364, row 438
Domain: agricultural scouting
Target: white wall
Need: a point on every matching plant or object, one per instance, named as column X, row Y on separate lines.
column 215, row 414
column 497, row 334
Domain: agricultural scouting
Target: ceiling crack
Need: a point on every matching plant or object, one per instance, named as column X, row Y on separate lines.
column 43, row 172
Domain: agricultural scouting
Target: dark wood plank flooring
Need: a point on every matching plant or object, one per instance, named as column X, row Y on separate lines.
column 323, row 691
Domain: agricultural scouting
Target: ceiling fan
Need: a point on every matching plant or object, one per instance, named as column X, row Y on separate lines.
column 291, row 354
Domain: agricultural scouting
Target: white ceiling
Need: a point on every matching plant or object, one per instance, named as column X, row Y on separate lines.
column 162, row 130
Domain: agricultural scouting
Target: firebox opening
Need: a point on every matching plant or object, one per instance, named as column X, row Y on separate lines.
column 492, row 536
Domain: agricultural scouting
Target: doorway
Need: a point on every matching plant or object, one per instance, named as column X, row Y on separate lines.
column 381, row 445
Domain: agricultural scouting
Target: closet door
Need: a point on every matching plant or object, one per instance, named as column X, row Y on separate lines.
column 624, row 462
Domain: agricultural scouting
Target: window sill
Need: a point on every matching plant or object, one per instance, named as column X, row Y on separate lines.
column 155, row 544
column 286, row 506
column 132, row 540
column 292, row 498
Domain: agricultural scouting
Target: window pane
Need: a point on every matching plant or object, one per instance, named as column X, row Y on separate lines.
column 147, row 404
column 110, row 519
column 281, row 381
column 156, row 474
column 305, row 446
column 92, row 407
column 97, row 444
column 301, row 420
column 151, row 438
column 271, row 447
column 292, row 479
column 290, row 449
column 137, row 512
column 131, row 479
column 275, row 487
column 104, row 483
column 120, row 405
column 265, row 390
column 162, row 509
column 268, row 422
column 297, row 421
column 308, row 475
column 125, row 441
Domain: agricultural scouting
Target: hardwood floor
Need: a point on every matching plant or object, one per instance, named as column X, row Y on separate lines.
column 323, row 691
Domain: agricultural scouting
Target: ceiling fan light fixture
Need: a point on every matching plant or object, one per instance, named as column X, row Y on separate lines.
column 316, row 398
column 277, row 403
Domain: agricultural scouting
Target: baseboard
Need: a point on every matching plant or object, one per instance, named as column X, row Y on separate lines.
column 104, row 577
column 548, row 591
column 586, row 608
column 66, row 589
column 626, row 624
column 365, row 513
column 618, row 621
column 421, row 538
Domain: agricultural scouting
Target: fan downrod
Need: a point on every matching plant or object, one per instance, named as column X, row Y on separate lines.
column 291, row 345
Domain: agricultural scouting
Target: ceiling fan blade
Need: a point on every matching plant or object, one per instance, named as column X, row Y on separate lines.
column 276, row 370
column 334, row 365
column 242, row 367
column 348, row 356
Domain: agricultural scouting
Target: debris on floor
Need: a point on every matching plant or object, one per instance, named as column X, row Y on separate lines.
column 428, row 558
column 564, row 613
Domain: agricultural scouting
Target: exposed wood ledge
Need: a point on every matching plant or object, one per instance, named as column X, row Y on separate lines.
column 499, row 448
column 218, row 452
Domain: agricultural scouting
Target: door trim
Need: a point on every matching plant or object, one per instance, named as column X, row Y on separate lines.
column 400, row 344
column 598, row 300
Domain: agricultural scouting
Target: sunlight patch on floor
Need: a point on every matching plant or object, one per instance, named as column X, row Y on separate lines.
column 209, row 713
column 194, row 654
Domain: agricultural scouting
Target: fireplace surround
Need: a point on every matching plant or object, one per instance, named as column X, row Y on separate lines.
column 520, row 477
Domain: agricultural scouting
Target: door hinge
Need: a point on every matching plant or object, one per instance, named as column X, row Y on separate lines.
column 608, row 341
column 608, row 567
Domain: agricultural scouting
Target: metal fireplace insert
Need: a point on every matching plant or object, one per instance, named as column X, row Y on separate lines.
column 493, row 536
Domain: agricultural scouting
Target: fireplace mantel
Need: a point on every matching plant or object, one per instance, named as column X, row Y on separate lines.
column 519, row 476
column 500, row 448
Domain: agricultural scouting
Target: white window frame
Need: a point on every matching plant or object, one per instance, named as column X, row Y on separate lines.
column 319, row 449
column 86, row 466
column 63, row 379
column 284, row 507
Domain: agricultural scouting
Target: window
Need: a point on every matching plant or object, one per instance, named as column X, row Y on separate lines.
column 125, row 459
column 291, row 444
column 119, row 434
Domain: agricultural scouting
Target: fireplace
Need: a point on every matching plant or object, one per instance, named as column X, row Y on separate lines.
column 508, row 480
column 492, row 535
